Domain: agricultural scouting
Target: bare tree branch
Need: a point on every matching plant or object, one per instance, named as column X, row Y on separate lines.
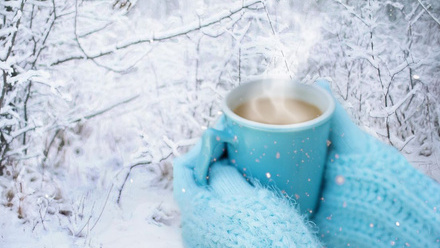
column 102, row 111
column 429, row 13
column 4, row 89
column 274, row 33
column 86, row 117
column 351, row 11
column 14, row 35
column 94, row 30
column 131, row 168
column 42, row 47
column 192, row 27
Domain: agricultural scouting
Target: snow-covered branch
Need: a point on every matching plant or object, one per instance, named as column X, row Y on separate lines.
column 429, row 12
column 165, row 35
column 386, row 112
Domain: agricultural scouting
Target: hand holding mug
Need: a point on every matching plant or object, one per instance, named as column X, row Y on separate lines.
column 276, row 132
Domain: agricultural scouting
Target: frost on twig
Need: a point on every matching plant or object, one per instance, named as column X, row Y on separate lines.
column 390, row 110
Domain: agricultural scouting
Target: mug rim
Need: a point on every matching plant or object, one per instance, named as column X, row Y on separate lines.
column 323, row 118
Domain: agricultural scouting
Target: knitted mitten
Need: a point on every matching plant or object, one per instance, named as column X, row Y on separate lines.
column 372, row 196
column 231, row 213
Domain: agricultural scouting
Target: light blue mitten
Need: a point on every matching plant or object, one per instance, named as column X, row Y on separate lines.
column 229, row 212
column 372, row 196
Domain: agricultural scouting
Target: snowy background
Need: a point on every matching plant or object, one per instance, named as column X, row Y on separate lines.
column 98, row 97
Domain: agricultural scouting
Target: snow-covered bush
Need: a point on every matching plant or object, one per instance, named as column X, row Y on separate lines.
column 383, row 58
column 29, row 106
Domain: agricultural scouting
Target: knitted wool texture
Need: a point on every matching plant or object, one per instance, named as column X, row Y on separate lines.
column 377, row 199
column 372, row 197
column 231, row 213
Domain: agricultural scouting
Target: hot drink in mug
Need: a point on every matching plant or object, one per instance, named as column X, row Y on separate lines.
column 275, row 131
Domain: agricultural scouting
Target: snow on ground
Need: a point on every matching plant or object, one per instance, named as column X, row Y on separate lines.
column 147, row 217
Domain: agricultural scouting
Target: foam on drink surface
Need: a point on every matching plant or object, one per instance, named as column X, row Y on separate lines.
column 277, row 110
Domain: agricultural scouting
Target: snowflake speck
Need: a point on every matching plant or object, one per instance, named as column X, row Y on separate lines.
column 371, row 225
column 397, row 223
column 268, row 175
column 392, row 243
column 340, row 180
column 277, row 155
column 329, row 142
column 183, row 190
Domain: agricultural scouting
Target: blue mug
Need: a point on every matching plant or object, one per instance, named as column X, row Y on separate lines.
column 289, row 157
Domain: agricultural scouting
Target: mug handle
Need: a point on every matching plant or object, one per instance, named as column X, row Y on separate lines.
column 213, row 146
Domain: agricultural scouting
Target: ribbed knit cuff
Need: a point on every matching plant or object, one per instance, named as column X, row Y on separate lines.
column 226, row 179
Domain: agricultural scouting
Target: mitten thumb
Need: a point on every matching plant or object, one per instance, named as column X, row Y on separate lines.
column 345, row 136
